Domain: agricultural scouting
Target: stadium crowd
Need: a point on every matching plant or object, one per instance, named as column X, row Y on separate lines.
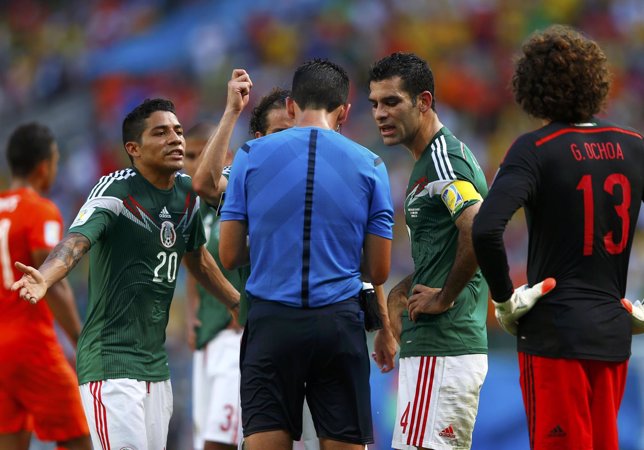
column 79, row 66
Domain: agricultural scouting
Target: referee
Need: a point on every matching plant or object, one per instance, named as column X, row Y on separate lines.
column 317, row 210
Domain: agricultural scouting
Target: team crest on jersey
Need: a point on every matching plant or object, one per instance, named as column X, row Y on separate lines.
column 168, row 234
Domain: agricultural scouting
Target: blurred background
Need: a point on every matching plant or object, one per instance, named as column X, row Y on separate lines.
column 80, row 65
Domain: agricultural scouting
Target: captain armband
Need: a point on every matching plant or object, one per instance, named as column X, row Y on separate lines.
column 457, row 194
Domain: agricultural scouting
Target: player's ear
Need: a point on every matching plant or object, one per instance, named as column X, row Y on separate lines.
column 343, row 116
column 424, row 101
column 290, row 107
column 132, row 148
column 41, row 170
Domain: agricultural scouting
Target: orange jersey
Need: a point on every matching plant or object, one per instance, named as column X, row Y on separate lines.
column 28, row 222
column 38, row 388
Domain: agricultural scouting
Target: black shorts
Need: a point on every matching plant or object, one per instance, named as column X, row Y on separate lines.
column 288, row 353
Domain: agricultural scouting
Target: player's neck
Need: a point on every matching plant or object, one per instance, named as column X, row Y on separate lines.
column 425, row 134
column 24, row 183
column 160, row 180
column 319, row 118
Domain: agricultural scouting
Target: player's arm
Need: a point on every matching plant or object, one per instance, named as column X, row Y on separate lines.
column 60, row 299
column 192, row 305
column 376, row 265
column 208, row 181
column 385, row 343
column 513, row 186
column 203, row 267
column 63, row 258
column 432, row 300
column 397, row 303
column 233, row 247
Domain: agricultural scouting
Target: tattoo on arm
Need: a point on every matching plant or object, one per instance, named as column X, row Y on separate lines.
column 68, row 252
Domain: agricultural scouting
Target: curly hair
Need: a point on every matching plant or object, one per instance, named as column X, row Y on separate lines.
column 561, row 76
column 276, row 99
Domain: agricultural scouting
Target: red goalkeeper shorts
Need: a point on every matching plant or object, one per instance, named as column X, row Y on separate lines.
column 572, row 403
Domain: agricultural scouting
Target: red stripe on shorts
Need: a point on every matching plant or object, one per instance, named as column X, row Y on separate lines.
column 421, row 386
column 429, row 398
column 100, row 414
column 419, row 381
column 93, row 385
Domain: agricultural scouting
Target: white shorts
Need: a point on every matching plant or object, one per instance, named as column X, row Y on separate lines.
column 438, row 398
column 125, row 413
column 216, row 411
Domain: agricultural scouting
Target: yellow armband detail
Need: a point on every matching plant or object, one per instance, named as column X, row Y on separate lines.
column 457, row 194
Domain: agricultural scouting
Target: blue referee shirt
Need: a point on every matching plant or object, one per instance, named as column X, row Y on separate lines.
column 310, row 196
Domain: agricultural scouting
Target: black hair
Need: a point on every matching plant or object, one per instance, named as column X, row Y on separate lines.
column 134, row 122
column 201, row 131
column 320, row 84
column 28, row 145
column 276, row 99
column 415, row 73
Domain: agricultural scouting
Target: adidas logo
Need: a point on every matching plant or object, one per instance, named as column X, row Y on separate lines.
column 164, row 214
column 557, row 432
column 448, row 433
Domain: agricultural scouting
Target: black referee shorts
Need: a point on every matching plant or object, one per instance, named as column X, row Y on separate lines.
column 288, row 353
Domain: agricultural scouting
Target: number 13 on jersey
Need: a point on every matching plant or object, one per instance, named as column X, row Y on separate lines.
column 621, row 209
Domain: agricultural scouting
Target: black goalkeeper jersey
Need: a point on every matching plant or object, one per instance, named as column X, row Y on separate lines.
column 581, row 186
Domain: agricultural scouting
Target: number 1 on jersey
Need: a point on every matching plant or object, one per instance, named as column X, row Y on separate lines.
column 5, row 257
column 585, row 185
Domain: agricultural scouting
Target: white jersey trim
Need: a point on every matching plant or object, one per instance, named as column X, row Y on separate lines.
column 441, row 160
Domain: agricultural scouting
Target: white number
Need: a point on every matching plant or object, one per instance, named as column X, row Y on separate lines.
column 172, row 260
column 5, row 258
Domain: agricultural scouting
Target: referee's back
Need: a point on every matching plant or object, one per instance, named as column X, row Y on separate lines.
column 309, row 196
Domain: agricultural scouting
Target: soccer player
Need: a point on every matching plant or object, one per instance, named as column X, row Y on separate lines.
column 270, row 115
column 580, row 180
column 139, row 223
column 38, row 388
column 216, row 335
column 438, row 313
column 308, row 218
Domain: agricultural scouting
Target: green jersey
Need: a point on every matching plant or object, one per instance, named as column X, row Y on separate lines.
column 444, row 181
column 138, row 235
column 212, row 314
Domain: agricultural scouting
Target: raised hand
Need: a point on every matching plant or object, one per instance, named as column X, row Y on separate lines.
column 239, row 88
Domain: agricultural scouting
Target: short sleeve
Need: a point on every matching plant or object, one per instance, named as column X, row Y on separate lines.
column 197, row 233
column 381, row 210
column 95, row 217
column 234, row 207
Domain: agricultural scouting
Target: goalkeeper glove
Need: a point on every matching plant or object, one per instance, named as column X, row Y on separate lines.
column 523, row 299
column 636, row 310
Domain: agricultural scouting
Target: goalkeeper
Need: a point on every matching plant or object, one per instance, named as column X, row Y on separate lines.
column 580, row 180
